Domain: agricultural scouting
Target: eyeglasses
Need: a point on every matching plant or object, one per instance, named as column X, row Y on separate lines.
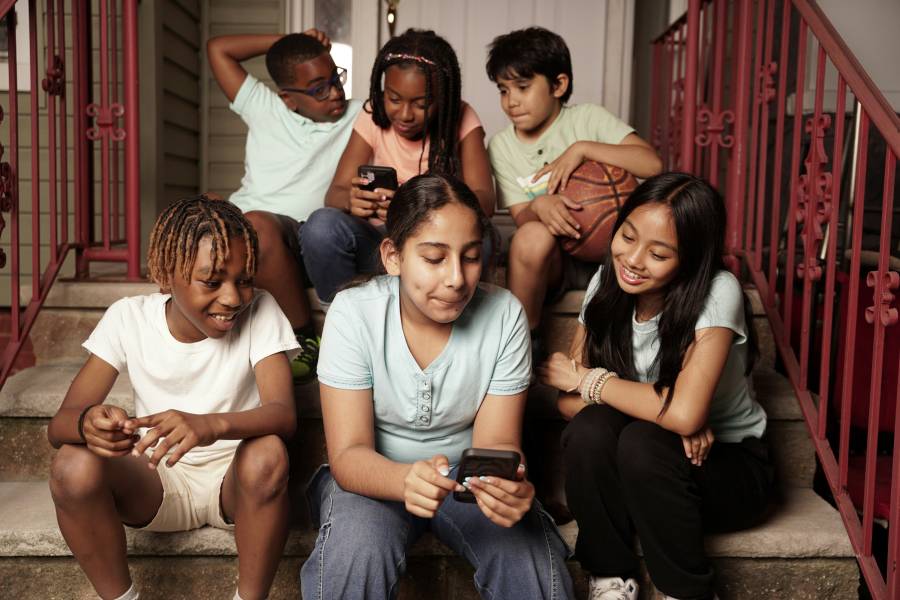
column 322, row 90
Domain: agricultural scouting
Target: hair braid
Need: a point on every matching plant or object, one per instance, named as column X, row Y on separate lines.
column 437, row 61
column 178, row 230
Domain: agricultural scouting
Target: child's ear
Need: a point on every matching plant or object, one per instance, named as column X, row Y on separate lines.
column 560, row 85
column 288, row 101
column 390, row 256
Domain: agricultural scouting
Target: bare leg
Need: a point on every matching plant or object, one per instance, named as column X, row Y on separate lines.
column 93, row 497
column 254, row 496
column 277, row 270
column 535, row 263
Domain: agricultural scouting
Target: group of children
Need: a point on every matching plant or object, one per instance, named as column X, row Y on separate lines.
column 418, row 360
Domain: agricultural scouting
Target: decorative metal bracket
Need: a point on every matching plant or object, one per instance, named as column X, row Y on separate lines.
column 6, row 192
column 881, row 307
column 104, row 119
column 55, row 82
column 766, row 82
column 817, row 193
column 712, row 127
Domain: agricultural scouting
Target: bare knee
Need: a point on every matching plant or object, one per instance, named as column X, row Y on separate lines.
column 532, row 244
column 268, row 230
column 76, row 475
column 261, row 468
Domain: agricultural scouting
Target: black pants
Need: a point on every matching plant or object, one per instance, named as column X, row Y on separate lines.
column 626, row 476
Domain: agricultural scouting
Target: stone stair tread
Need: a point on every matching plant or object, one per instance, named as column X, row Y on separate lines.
column 39, row 391
column 803, row 526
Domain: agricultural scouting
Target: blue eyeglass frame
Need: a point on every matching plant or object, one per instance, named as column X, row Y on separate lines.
column 322, row 90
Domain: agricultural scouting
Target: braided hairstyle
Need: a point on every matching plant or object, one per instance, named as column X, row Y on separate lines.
column 178, row 230
column 434, row 57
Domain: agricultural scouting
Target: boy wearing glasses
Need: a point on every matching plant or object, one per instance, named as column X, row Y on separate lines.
column 296, row 136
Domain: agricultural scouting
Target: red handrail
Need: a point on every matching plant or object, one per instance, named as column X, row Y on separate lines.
column 785, row 235
column 113, row 125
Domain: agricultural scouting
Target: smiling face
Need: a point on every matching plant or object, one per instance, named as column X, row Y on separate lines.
column 531, row 103
column 208, row 304
column 439, row 266
column 645, row 255
column 405, row 101
column 315, row 72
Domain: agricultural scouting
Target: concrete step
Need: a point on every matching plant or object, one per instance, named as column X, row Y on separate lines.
column 800, row 552
column 31, row 397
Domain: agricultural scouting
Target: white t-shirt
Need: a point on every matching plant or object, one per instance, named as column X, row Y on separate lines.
column 290, row 160
column 422, row 412
column 205, row 377
column 734, row 413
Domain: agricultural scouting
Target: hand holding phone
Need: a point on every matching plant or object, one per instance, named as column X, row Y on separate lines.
column 378, row 177
column 496, row 481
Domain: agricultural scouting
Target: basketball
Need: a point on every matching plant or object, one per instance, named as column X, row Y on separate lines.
column 600, row 189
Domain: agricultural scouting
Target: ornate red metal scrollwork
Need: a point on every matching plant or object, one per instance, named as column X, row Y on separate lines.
column 6, row 192
column 104, row 121
column 881, row 307
column 766, row 85
column 55, row 82
column 818, row 193
column 712, row 127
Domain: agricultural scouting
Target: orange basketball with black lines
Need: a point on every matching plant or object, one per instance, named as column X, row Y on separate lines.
column 601, row 190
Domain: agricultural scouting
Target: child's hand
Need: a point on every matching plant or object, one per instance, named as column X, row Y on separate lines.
column 697, row 446
column 561, row 169
column 426, row 485
column 553, row 211
column 502, row 501
column 561, row 372
column 105, row 431
column 319, row 35
column 185, row 430
column 383, row 205
column 364, row 203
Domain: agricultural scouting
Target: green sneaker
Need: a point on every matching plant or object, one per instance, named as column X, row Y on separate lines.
column 303, row 366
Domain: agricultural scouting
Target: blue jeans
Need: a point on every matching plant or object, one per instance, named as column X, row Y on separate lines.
column 336, row 247
column 360, row 551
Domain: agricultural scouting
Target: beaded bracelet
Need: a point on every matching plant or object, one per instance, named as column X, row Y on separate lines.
column 81, row 421
column 589, row 382
column 601, row 383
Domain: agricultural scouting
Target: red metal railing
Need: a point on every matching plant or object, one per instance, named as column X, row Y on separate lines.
column 809, row 163
column 102, row 137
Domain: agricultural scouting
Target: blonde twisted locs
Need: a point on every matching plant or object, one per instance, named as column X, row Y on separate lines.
column 178, row 230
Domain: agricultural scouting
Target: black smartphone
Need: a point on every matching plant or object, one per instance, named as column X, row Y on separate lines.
column 379, row 177
column 481, row 461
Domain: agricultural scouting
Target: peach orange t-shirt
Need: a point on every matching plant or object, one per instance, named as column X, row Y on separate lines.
column 406, row 156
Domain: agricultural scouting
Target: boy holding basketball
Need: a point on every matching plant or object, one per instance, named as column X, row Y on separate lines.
column 547, row 139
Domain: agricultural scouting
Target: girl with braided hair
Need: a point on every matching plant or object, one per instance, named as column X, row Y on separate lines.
column 414, row 121
column 213, row 399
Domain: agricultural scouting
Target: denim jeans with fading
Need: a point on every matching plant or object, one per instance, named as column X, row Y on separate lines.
column 361, row 548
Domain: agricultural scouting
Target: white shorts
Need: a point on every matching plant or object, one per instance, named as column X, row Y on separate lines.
column 191, row 496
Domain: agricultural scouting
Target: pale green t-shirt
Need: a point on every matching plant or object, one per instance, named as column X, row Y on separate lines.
column 290, row 160
column 511, row 157
column 734, row 413
column 422, row 412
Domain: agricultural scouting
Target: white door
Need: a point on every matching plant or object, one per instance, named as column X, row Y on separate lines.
column 598, row 33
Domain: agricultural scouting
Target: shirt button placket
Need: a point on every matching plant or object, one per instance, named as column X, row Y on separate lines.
column 424, row 402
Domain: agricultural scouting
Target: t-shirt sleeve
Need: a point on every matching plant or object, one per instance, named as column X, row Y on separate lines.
column 343, row 358
column 270, row 330
column 105, row 342
column 512, row 373
column 603, row 126
column 255, row 101
column 366, row 128
column 724, row 306
column 469, row 121
column 509, row 192
column 593, row 286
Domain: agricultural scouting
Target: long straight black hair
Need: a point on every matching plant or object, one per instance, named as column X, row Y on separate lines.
column 698, row 213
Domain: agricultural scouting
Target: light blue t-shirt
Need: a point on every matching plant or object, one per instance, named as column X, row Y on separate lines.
column 734, row 413
column 423, row 412
column 289, row 160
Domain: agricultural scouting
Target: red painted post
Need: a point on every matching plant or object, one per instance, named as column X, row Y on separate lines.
column 735, row 186
column 132, row 133
column 14, row 257
column 689, row 108
column 35, row 158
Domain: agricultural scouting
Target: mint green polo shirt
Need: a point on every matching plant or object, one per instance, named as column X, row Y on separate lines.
column 511, row 157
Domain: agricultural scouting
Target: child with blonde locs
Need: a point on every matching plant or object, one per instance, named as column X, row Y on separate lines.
column 666, row 440
column 208, row 359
